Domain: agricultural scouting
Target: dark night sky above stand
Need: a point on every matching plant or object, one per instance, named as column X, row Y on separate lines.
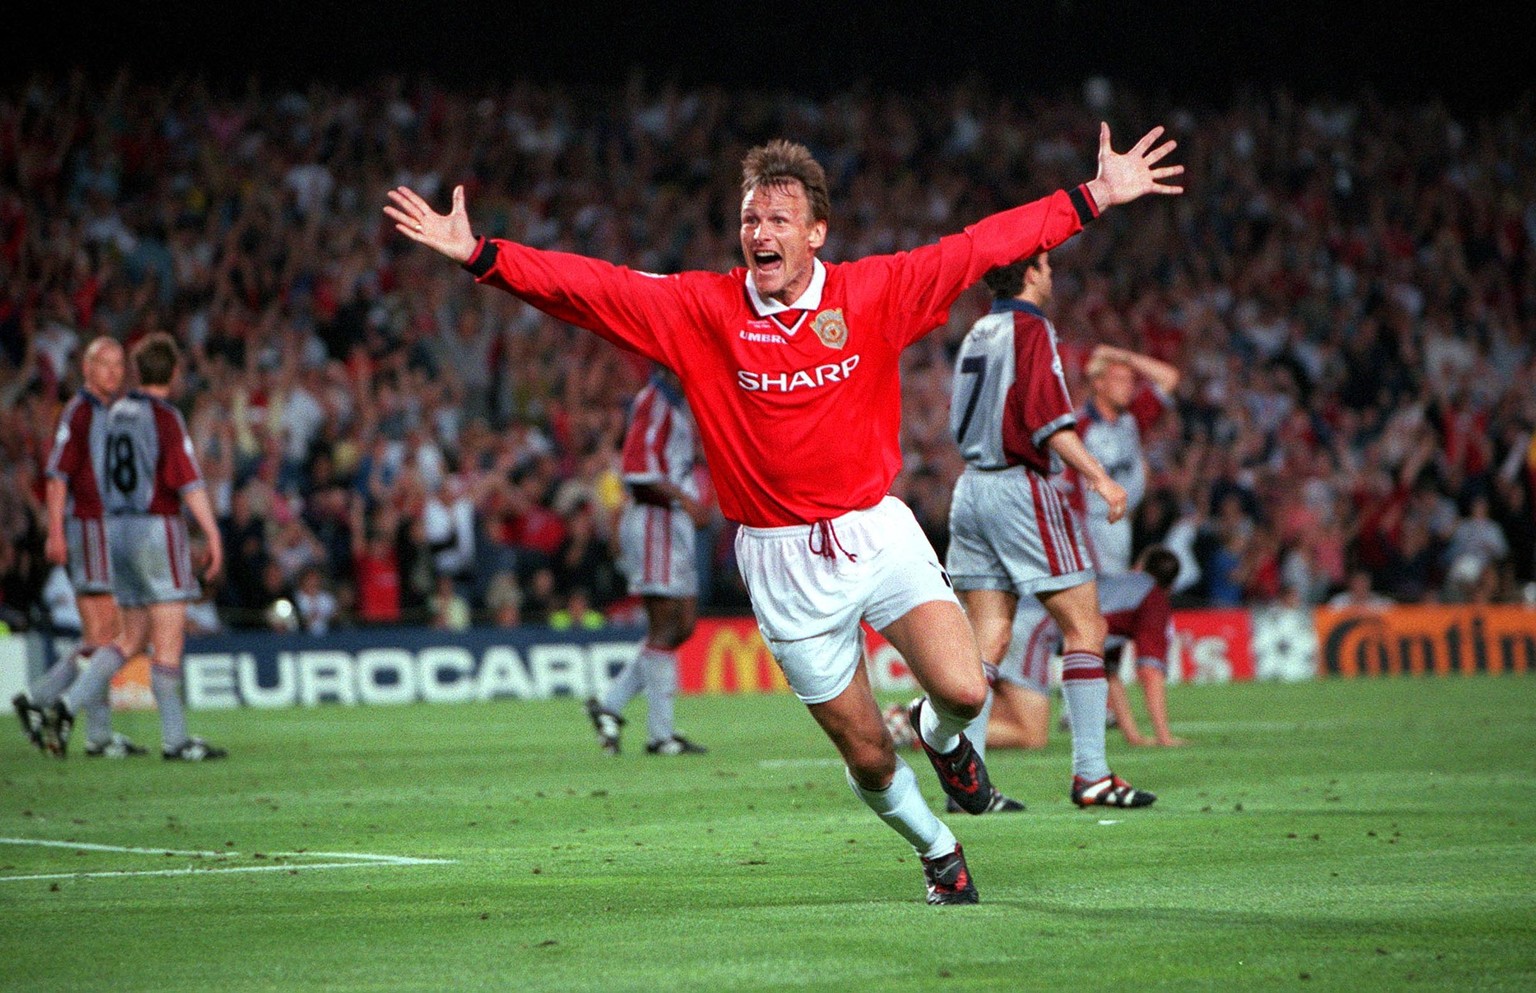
column 1469, row 54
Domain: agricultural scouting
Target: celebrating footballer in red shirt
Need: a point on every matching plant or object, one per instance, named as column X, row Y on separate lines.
column 790, row 366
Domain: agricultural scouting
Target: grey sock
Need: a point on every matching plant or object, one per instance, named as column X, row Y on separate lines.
column 165, row 684
column 52, row 684
column 625, row 686
column 977, row 729
column 1086, row 694
column 660, row 690
column 91, row 693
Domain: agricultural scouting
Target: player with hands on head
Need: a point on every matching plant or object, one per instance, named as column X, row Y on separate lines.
column 791, row 367
column 1110, row 425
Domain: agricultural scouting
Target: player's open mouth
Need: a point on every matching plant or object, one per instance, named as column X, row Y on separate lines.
column 766, row 260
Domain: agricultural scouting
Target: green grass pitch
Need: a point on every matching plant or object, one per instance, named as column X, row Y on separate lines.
column 1368, row 835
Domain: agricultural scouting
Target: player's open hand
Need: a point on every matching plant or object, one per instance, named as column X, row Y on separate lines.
column 448, row 233
column 1125, row 176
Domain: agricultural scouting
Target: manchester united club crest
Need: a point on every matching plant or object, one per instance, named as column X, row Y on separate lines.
column 831, row 328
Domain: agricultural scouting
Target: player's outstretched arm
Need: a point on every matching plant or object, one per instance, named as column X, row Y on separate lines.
column 1124, row 177
column 447, row 233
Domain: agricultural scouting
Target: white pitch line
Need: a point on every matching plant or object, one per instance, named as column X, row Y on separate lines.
column 365, row 857
column 119, row 873
column 359, row 860
column 44, row 843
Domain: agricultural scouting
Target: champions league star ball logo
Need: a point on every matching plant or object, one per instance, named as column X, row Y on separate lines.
column 831, row 328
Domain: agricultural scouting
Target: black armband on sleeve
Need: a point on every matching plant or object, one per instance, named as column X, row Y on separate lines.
column 484, row 258
column 1082, row 201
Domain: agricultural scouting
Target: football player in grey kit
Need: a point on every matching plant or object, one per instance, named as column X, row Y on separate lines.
column 1012, row 531
column 77, row 537
column 149, row 473
column 656, row 537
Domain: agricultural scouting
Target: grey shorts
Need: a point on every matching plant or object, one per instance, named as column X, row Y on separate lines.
column 1013, row 530
column 90, row 557
column 656, row 551
column 151, row 559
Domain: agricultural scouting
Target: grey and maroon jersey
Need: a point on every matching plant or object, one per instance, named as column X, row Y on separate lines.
column 78, row 457
column 1009, row 392
column 148, row 460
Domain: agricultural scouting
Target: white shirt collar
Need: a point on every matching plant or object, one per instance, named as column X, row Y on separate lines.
column 809, row 300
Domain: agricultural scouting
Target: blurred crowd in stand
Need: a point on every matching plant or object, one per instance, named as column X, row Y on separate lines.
column 1347, row 286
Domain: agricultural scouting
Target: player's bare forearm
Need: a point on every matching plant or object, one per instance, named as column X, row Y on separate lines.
column 1154, row 689
column 1120, row 706
column 666, row 494
column 202, row 512
column 55, row 495
column 1075, row 454
column 1163, row 375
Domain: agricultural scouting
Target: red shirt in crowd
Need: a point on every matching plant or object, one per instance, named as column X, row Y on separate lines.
column 378, row 585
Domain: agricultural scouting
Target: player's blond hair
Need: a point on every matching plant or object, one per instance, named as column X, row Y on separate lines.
column 779, row 163
column 1100, row 363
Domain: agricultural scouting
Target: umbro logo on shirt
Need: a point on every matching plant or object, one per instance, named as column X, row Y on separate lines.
column 762, row 337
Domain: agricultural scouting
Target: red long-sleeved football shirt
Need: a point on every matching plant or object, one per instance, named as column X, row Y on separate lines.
column 798, row 409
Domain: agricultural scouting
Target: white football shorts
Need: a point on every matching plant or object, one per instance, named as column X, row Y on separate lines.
column 812, row 585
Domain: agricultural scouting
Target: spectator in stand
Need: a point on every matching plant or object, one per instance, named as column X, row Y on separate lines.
column 375, row 570
column 505, row 601
column 585, row 560
column 576, row 612
column 316, row 606
column 1475, row 555
column 1358, row 594
column 450, row 610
